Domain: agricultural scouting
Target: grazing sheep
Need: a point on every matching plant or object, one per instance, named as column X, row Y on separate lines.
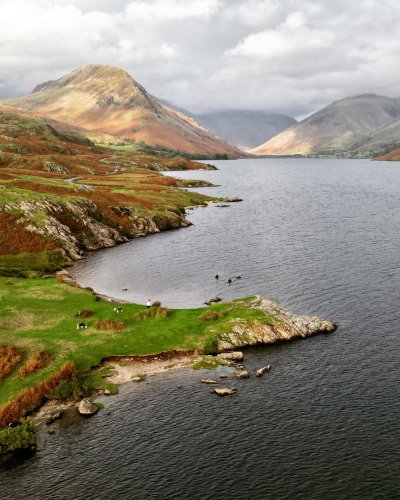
column 80, row 326
column 118, row 310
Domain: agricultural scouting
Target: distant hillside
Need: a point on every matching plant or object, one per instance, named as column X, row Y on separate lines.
column 105, row 99
column 245, row 128
column 338, row 129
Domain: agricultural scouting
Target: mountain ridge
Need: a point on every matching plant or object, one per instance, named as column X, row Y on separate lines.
column 343, row 127
column 106, row 99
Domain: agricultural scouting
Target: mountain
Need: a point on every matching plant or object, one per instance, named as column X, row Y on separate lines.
column 245, row 128
column 105, row 99
column 343, row 126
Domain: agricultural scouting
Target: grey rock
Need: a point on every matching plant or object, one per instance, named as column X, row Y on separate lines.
column 231, row 356
column 264, row 369
column 87, row 408
column 224, row 391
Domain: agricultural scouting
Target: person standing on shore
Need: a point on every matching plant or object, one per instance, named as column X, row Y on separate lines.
column 148, row 303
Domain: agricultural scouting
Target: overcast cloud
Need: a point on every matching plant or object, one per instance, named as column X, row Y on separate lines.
column 290, row 56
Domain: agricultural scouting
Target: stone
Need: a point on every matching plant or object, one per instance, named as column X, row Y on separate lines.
column 87, row 408
column 213, row 300
column 138, row 378
column 208, row 381
column 224, row 391
column 235, row 199
column 107, row 392
column 264, row 369
column 231, row 356
column 242, row 374
column 52, row 418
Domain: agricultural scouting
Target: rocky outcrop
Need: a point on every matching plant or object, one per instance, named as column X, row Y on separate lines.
column 52, row 166
column 79, row 226
column 280, row 325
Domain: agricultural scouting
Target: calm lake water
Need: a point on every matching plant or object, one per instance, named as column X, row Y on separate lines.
column 320, row 236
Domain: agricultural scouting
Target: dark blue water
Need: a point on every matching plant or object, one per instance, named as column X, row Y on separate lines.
column 321, row 236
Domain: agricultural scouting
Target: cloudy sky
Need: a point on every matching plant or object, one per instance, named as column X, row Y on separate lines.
column 290, row 56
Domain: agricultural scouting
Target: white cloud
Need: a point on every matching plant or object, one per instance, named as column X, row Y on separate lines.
column 167, row 10
column 284, row 55
column 292, row 38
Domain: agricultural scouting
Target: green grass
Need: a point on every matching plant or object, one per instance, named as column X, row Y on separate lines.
column 40, row 314
column 30, row 264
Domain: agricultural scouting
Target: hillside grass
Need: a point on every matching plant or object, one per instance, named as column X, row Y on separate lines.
column 41, row 314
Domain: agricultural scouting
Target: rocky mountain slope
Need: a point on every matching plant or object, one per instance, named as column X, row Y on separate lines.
column 344, row 128
column 105, row 99
column 60, row 195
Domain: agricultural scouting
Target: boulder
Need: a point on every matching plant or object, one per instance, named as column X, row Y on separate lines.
column 87, row 408
column 224, row 391
column 242, row 374
column 138, row 378
column 208, row 381
column 231, row 356
column 264, row 369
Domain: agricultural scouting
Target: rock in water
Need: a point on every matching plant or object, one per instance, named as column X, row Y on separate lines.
column 225, row 391
column 87, row 408
column 208, row 381
column 52, row 418
column 231, row 356
column 264, row 369
column 242, row 374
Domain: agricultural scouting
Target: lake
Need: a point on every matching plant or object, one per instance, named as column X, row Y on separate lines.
column 321, row 237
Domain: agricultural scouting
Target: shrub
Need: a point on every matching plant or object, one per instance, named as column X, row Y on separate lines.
column 28, row 399
column 156, row 312
column 9, row 357
column 15, row 238
column 84, row 313
column 210, row 346
column 210, row 315
column 67, row 388
column 35, row 363
column 8, row 282
column 156, row 303
column 107, row 324
column 18, row 438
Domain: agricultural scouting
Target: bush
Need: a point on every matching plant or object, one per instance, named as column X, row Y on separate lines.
column 154, row 311
column 68, row 388
column 35, row 363
column 18, row 438
column 9, row 357
column 210, row 315
column 210, row 346
column 84, row 313
column 105, row 324
column 29, row 398
column 156, row 303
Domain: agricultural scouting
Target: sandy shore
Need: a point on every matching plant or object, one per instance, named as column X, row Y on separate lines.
column 126, row 368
